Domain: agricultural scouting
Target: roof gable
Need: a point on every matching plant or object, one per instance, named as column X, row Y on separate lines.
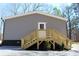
column 35, row 12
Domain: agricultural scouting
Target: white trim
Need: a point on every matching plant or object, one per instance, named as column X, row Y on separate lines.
column 42, row 23
column 37, row 12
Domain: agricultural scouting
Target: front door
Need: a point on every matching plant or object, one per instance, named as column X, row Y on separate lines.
column 42, row 30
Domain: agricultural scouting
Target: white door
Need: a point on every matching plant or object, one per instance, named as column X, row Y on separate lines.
column 42, row 30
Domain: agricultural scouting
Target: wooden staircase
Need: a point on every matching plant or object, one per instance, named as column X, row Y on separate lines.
column 59, row 38
column 52, row 36
column 29, row 40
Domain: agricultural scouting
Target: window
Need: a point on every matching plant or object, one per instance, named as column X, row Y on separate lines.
column 42, row 25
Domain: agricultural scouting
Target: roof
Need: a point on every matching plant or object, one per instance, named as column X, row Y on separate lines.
column 37, row 12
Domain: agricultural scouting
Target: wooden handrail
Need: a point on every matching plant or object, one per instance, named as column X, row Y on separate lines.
column 26, row 40
column 58, row 37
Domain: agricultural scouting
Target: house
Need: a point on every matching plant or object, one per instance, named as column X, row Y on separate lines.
column 21, row 28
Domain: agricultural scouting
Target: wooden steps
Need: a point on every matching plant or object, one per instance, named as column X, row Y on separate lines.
column 59, row 38
column 28, row 40
column 51, row 35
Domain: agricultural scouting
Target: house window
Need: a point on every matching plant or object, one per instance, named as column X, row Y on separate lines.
column 42, row 25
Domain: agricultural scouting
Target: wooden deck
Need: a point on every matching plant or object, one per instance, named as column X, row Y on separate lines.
column 52, row 36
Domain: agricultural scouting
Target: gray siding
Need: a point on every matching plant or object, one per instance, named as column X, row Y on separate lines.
column 18, row 27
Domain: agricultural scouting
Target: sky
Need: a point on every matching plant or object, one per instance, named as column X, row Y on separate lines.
column 5, row 6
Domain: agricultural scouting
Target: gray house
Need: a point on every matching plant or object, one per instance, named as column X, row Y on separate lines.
column 16, row 27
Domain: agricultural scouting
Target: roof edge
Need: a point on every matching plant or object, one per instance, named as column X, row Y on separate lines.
column 38, row 12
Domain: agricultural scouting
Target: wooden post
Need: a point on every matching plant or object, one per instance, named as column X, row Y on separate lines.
column 37, row 45
column 22, row 43
column 53, row 45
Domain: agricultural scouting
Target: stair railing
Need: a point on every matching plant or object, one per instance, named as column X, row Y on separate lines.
column 28, row 39
column 59, row 38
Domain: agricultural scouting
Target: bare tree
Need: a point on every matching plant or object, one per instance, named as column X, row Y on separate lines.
column 2, row 14
column 25, row 7
column 31, row 7
column 36, row 6
column 14, row 7
column 68, row 13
